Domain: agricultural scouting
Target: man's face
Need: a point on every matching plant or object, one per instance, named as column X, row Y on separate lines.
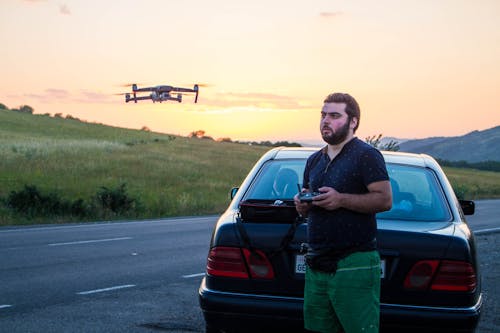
column 335, row 124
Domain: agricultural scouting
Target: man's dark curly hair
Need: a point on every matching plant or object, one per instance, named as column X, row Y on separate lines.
column 352, row 107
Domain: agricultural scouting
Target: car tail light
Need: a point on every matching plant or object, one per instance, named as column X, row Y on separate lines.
column 226, row 261
column 259, row 265
column 237, row 263
column 455, row 276
column 443, row 275
column 421, row 274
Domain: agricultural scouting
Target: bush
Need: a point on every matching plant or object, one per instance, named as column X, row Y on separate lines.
column 115, row 200
column 31, row 202
column 461, row 191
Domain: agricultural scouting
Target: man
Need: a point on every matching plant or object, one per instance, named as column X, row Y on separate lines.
column 342, row 288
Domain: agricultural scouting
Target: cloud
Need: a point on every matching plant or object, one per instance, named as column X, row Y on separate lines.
column 331, row 15
column 64, row 9
column 55, row 95
column 239, row 109
column 260, row 96
column 93, row 97
column 253, row 100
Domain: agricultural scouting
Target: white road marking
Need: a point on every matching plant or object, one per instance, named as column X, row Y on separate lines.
column 105, row 289
column 485, row 231
column 193, row 275
column 90, row 225
column 4, row 306
column 91, row 241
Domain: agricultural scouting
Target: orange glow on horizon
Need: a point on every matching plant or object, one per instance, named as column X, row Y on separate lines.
column 415, row 68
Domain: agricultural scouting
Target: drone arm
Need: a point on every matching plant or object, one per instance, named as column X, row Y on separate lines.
column 142, row 98
column 136, row 98
column 185, row 90
column 144, row 89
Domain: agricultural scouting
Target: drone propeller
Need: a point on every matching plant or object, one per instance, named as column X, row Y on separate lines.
column 201, row 85
column 129, row 85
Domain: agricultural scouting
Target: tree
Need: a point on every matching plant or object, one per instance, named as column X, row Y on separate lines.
column 200, row 134
column 3, row 107
column 376, row 142
column 26, row 109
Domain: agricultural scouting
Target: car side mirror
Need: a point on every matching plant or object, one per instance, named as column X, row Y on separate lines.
column 233, row 192
column 468, row 206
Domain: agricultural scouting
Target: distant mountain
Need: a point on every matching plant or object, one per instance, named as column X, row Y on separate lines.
column 476, row 146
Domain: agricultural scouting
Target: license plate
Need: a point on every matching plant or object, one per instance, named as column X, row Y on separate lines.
column 300, row 266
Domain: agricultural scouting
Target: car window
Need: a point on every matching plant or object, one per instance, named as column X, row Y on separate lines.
column 417, row 195
column 277, row 179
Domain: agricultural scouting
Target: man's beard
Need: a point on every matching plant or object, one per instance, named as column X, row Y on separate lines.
column 339, row 136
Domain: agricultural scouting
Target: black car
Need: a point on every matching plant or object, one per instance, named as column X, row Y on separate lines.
column 430, row 277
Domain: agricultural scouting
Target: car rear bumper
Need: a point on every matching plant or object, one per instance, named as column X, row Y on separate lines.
column 237, row 310
column 228, row 310
column 431, row 318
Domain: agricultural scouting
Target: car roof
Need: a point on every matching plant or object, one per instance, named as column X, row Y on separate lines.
column 421, row 160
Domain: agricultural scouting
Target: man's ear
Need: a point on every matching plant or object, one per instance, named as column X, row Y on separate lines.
column 354, row 123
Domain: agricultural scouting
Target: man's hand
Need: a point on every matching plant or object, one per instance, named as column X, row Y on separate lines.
column 301, row 207
column 329, row 198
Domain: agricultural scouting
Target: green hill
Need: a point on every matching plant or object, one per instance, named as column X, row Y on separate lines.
column 69, row 160
column 476, row 146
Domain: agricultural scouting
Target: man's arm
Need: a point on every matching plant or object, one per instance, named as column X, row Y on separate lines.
column 378, row 199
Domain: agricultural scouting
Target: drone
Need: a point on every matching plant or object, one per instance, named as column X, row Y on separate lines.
column 160, row 93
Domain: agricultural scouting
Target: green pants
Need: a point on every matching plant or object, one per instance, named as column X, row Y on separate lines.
column 347, row 300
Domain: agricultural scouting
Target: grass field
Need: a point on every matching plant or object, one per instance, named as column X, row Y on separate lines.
column 474, row 184
column 167, row 175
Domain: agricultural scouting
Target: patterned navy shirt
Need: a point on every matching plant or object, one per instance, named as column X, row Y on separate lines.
column 351, row 171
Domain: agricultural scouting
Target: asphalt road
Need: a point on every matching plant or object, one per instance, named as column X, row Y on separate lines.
column 143, row 276
column 106, row 277
column 486, row 226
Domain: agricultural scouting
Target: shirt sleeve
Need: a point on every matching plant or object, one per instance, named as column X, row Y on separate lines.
column 373, row 167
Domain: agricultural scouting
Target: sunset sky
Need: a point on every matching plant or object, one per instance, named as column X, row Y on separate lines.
column 418, row 68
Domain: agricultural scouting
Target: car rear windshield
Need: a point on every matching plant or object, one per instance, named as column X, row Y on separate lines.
column 277, row 179
column 417, row 194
